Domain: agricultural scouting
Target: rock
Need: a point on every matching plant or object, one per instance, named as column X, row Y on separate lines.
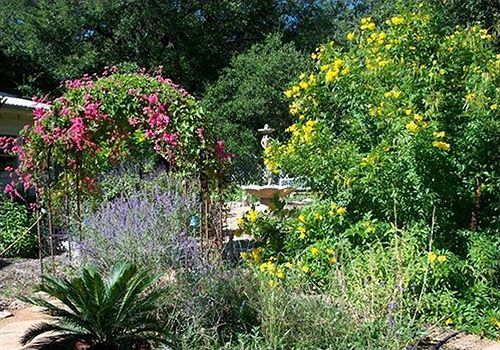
column 5, row 314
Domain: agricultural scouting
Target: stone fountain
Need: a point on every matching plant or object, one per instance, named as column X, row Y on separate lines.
column 268, row 193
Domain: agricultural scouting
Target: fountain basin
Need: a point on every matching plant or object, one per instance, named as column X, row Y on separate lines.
column 267, row 193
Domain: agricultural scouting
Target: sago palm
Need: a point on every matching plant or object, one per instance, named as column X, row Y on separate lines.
column 112, row 313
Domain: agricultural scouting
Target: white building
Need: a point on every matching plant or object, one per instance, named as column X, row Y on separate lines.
column 15, row 113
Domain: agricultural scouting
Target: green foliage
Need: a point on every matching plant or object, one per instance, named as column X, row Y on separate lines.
column 380, row 273
column 15, row 220
column 248, row 95
column 192, row 39
column 111, row 313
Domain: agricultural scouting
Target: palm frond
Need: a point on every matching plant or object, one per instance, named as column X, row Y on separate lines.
column 36, row 330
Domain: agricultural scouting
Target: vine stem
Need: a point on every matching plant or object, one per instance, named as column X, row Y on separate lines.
column 426, row 272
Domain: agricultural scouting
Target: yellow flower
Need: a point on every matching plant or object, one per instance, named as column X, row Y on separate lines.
column 314, row 250
column 302, row 231
column 302, row 218
column 383, row 63
column 368, row 25
column 271, row 165
column 397, row 20
column 314, row 56
column 441, row 258
column 318, row 216
column 304, row 85
column 448, row 321
column 288, row 93
column 272, row 283
column 366, row 20
column 280, row 274
column 256, row 254
column 493, row 107
column 351, row 36
column 271, row 267
column 341, row 210
column 305, row 269
column 252, row 215
column 408, row 111
column 244, row 255
column 432, row 257
column 441, row 145
column 411, row 126
column 332, row 260
column 289, row 265
column 329, row 250
column 439, row 134
column 263, row 267
column 418, row 117
column 331, row 75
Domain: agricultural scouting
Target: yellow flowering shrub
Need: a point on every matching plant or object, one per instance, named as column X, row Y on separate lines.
column 407, row 113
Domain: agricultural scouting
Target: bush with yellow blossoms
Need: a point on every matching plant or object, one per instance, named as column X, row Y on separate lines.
column 405, row 116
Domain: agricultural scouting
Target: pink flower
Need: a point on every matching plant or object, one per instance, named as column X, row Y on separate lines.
column 91, row 111
column 220, row 150
column 152, row 99
column 200, row 132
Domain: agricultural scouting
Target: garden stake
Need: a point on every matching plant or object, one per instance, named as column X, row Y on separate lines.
column 68, row 223
column 49, row 210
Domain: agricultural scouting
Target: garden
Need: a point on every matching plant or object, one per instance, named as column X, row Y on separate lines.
column 125, row 219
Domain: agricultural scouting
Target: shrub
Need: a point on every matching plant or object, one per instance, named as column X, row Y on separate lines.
column 111, row 313
column 406, row 117
column 370, row 266
column 212, row 307
column 103, row 121
column 15, row 220
column 147, row 227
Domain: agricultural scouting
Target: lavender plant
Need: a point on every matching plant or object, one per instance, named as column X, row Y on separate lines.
column 147, row 227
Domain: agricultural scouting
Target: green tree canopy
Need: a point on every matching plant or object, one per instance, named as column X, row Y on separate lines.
column 249, row 94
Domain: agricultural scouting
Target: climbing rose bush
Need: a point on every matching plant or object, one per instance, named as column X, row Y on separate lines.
column 402, row 121
column 101, row 121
